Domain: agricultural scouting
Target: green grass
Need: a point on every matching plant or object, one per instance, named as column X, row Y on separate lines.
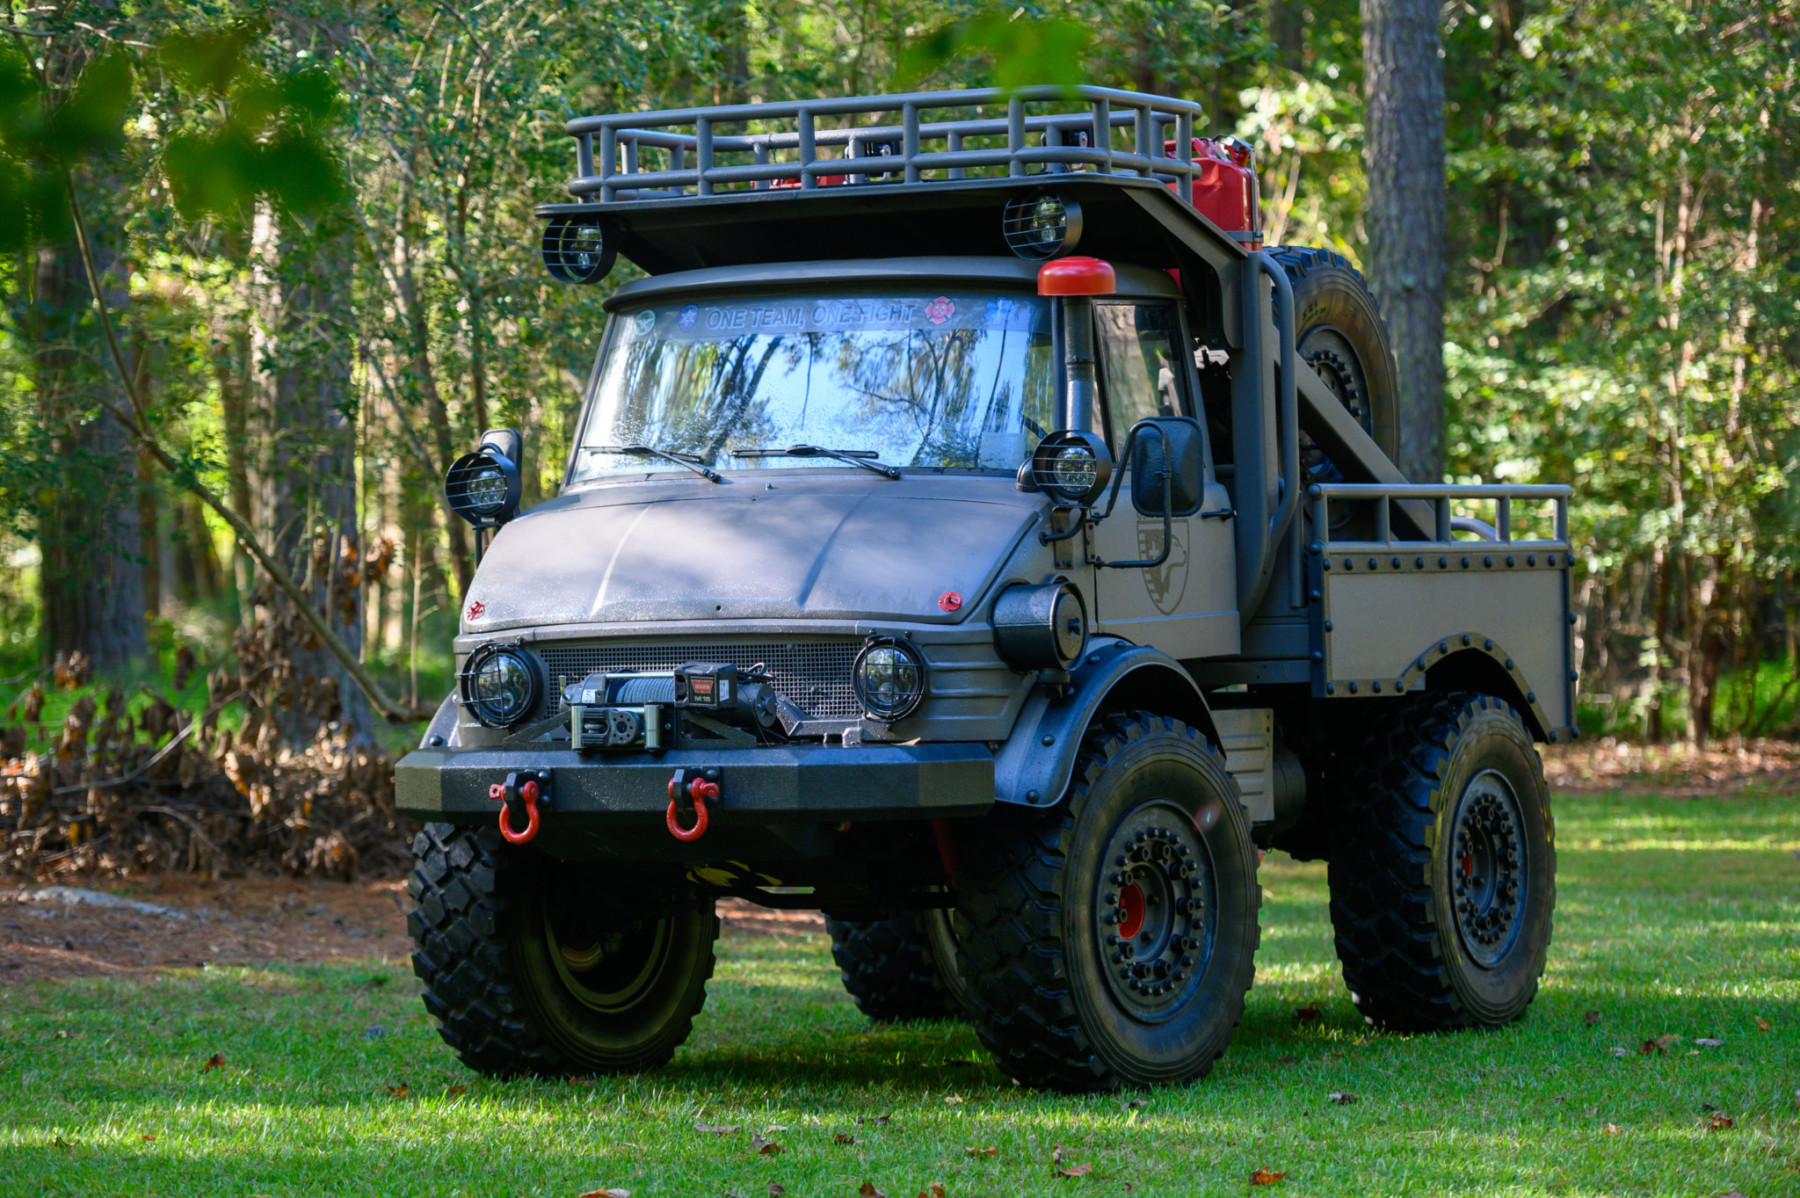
column 1675, row 918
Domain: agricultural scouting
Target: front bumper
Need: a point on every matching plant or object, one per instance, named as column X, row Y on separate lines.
column 785, row 783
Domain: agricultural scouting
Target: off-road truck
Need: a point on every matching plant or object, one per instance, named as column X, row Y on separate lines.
column 973, row 532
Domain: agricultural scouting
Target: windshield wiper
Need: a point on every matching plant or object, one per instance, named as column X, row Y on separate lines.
column 692, row 461
column 866, row 458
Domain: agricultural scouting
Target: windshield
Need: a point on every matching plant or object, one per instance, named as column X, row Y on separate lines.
column 959, row 380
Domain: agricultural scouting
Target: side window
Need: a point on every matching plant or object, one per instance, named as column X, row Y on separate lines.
column 1139, row 369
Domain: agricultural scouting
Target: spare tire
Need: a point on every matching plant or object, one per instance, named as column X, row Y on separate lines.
column 1342, row 337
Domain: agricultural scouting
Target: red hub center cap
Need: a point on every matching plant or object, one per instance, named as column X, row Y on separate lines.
column 1131, row 911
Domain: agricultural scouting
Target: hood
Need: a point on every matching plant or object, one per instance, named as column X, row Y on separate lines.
column 751, row 549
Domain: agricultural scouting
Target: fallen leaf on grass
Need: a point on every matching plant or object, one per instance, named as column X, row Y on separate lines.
column 1341, row 1097
column 1306, row 1014
column 1619, row 1051
column 1137, row 1104
column 1287, row 1060
column 1709, row 1042
column 953, row 1099
column 719, row 1129
column 1074, row 1171
column 59, row 1142
column 776, row 1189
column 453, row 1089
column 773, row 1128
column 843, row 1137
column 1650, row 1048
column 1266, row 1177
column 607, row 1192
column 1668, row 1041
column 936, row 1191
column 1762, row 1025
column 147, row 1137
column 216, row 1061
column 1720, row 1121
column 399, row 1091
column 764, row 1147
column 1613, row 1129
column 868, row 1190
column 873, row 1118
column 63, row 1033
column 981, row 1151
column 1590, row 1017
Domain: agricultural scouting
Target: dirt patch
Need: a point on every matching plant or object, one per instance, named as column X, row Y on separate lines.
column 178, row 921
column 1728, row 767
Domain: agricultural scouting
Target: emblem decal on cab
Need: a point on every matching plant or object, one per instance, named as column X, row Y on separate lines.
column 476, row 608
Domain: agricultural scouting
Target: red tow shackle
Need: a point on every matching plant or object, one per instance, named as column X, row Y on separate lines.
column 529, row 794
column 697, row 790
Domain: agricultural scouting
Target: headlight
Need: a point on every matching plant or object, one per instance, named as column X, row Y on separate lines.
column 500, row 685
column 889, row 677
column 1041, row 226
column 1072, row 466
column 1040, row 627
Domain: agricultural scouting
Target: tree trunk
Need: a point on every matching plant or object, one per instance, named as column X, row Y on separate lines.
column 1287, row 28
column 301, row 433
column 1404, row 152
column 91, row 581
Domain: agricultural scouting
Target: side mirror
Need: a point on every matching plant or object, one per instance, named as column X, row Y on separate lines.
column 484, row 487
column 1181, row 441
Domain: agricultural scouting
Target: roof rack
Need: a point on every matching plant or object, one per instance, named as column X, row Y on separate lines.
column 807, row 144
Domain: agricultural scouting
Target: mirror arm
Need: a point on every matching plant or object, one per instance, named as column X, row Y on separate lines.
column 1075, row 526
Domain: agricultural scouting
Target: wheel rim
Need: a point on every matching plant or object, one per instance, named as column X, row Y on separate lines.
column 608, row 971
column 1156, row 911
column 1488, row 868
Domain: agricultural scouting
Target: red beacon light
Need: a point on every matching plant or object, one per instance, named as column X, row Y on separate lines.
column 1077, row 276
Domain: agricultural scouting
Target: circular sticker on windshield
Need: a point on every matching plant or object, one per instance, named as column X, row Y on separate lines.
column 646, row 321
column 689, row 316
column 939, row 310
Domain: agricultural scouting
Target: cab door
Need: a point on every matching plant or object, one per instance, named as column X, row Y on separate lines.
column 1186, row 606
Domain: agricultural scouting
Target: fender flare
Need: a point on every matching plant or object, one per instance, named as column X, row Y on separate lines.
column 1033, row 768
column 443, row 725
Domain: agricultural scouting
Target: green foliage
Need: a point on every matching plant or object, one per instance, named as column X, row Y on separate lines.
column 1020, row 51
column 43, row 136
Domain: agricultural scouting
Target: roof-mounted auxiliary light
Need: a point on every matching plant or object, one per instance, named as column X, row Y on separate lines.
column 1072, row 465
column 577, row 250
column 1077, row 276
column 1041, row 225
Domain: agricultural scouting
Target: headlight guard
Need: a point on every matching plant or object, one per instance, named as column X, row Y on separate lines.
column 890, row 678
column 500, row 684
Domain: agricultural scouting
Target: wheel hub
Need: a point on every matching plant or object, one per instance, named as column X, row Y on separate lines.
column 1337, row 375
column 1155, row 910
column 1488, row 868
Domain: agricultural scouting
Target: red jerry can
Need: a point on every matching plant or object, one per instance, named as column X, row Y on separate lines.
column 1224, row 189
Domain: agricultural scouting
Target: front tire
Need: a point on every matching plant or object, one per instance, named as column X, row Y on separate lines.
column 1111, row 940
column 528, row 969
column 1444, row 884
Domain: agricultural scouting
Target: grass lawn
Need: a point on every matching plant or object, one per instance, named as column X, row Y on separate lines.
column 1677, row 919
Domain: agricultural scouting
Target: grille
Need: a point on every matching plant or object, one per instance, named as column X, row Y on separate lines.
column 812, row 675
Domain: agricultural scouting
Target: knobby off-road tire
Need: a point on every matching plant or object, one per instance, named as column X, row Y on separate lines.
column 1444, row 880
column 1153, row 845
column 899, row 969
column 1342, row 338
column 526, row 972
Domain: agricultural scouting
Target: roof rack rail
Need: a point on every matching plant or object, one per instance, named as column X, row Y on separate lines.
column 692, row 152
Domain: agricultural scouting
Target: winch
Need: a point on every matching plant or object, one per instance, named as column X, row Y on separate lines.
column 647, row 710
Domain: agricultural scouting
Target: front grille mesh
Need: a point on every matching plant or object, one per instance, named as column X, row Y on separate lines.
column 812, row 675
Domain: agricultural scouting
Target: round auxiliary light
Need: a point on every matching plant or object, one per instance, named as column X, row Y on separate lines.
column 1072, row 465
column 483, row 487
column 889, row 677
column 577, row 250
column 500, row 684
column 1041, row 627
column 1041, row 225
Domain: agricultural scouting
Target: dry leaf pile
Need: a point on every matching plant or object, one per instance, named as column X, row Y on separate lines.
column 124, row 785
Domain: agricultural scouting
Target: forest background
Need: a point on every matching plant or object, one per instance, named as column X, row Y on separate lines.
column 311, row 223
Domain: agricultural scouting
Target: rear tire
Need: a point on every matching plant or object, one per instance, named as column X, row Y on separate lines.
column 1444, row 881
column 1152, row 847
column 528, row 970
column 901, row 969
